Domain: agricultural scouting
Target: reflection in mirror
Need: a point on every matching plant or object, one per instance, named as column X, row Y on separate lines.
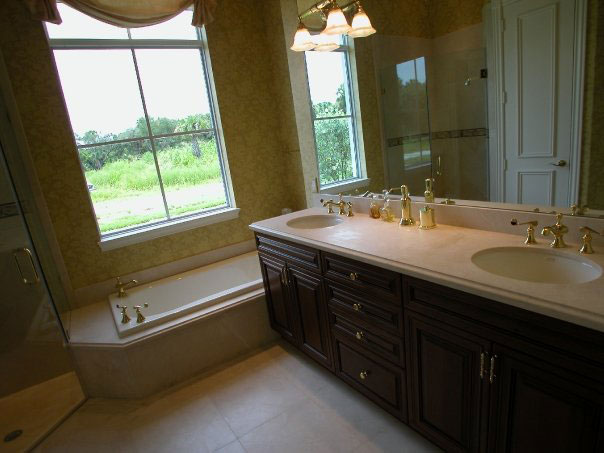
column 499, row 101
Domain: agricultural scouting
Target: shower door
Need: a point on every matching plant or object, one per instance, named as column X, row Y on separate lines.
column 37, row 381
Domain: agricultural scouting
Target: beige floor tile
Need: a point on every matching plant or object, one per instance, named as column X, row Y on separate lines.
column 304, row 428
column 275, row 401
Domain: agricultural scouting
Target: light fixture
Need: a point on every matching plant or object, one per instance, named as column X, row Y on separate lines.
column 325, row 42
column 302, row 39
column 336, row 21
column 361, row 25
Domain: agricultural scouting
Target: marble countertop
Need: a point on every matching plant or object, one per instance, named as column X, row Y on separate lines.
column 443, row 255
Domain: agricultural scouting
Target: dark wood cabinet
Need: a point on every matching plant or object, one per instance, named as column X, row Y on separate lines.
column 280, row 307
column 539, row 407
column 448, row 395
column 470, row 374
column 307, row 291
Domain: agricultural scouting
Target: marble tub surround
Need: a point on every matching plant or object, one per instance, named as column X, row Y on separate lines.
column 153, row 360
column 98, row 291
column 443, row 255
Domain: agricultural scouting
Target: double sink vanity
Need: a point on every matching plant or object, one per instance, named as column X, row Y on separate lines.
column 475, row 340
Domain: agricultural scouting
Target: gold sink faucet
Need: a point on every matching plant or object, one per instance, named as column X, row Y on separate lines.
column 530, row 231
column 121, row 287
column 586, row 248
column 341, row 204
column 558, row 231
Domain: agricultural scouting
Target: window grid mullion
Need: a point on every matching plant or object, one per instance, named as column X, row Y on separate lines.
column 151, row 139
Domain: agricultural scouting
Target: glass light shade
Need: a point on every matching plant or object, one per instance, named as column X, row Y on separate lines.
column 325, row 42
column 361, row 25
column 336, row 22
column 302, row 40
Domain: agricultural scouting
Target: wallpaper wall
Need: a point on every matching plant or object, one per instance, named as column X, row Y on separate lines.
column 252, row 119
column 592, row 165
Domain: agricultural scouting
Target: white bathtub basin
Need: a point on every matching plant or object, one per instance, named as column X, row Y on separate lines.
column 314, row 221
column 537, row 265
column 188, row 292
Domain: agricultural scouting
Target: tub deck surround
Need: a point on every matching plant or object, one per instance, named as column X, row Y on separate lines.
column 188, row 292
column 443, row 255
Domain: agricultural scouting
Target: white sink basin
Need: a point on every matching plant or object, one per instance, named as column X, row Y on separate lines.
column 536, row 265
column 314, row 221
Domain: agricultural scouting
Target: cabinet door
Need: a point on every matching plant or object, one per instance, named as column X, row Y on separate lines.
column 540, row 407
column 280, row 306
column 447, row 391
column 307, row 291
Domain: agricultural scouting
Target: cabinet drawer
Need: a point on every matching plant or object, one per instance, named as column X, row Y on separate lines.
column 365, row 277
column 383, row 384
column 389, row 347
column 292, row 253
column 374, row 312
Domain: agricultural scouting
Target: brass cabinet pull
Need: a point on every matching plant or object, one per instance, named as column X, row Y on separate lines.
column 283, row 279
column 357, row 307
column 360, row 335
column 483, row 357
column 33, row 266
column 363, row 374
column 492, row 375
column 354, row 276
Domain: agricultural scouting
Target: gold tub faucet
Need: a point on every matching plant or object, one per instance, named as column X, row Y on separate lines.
column 121, row 287
column 558, row 230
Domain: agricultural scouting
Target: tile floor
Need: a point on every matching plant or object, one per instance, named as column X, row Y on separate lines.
column 275, row 401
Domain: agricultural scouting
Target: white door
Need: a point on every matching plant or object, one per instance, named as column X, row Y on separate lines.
column 538, row 59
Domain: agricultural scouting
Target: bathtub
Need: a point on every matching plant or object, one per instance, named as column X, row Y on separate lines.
column 186, row 293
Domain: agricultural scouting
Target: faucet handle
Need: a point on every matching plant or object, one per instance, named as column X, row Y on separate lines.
column 349, row 204
column 586, row 248
column 530, row 231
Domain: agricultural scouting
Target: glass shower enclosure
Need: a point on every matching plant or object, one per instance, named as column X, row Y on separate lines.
column 38, row 385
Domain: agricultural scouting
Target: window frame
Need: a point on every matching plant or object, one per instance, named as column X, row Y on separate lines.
column 354, row 117
column 175, row 223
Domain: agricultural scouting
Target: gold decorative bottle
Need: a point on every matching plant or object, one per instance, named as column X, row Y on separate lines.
column 374, row 208
column 386, row 212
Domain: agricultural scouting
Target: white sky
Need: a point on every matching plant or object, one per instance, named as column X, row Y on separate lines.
column 100, row 86
column 325, row 75
column 101, row 89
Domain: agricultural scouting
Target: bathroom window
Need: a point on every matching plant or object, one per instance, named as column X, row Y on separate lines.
column 145, row 121
column 333, row 112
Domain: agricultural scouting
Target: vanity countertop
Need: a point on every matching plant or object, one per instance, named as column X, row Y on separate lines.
column 443, row 255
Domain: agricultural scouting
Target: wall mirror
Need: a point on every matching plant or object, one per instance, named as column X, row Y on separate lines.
column 501, row 102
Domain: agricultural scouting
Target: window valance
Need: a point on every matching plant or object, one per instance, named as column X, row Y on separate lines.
column 126, row 13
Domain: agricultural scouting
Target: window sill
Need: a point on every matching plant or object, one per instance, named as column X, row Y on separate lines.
column 118, row 240
column 345, row 186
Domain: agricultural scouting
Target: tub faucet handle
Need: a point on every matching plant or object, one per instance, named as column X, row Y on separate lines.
column 125, row 317
column 139, row 316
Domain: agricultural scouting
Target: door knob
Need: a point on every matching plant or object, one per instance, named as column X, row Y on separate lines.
column 560, row 163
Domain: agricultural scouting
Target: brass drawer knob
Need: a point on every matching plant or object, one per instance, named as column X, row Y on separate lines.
column 363, row 374
column 359, row 335
column 357, row 307
column 354, row 276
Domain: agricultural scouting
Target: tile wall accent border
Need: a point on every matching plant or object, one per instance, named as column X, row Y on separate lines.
column 8, row 210
column 99, row 291
column 439, row 135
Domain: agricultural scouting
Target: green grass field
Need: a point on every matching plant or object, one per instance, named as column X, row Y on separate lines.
column 126, row 192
